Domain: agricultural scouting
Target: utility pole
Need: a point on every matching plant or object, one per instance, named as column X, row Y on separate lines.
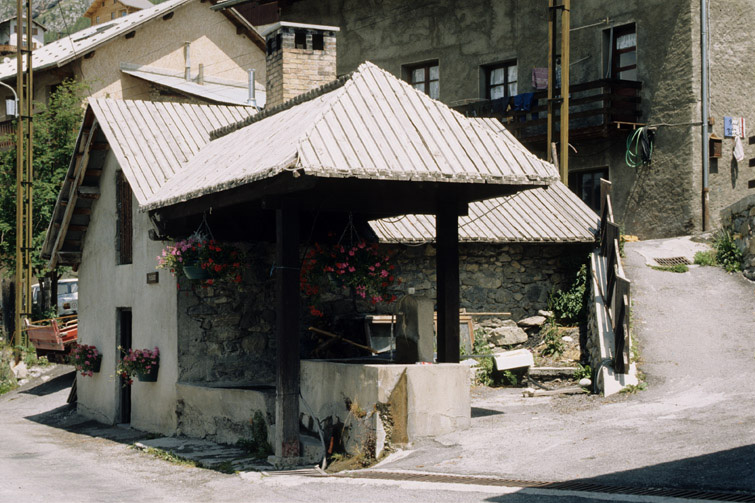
column 563, row 100
column 24, row 172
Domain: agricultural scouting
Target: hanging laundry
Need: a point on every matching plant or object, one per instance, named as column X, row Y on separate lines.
column 540, row 78
column 523, row 102
column 738, row 152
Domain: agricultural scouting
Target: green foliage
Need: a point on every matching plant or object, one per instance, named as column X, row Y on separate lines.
column 707, row 257
column 728, row 254
column 634, row 388
column 583, row 371
column 679, row 268
column 568, row 305
column 56, row 126
column 554, row 345
column 486, row 370
column 258, row 447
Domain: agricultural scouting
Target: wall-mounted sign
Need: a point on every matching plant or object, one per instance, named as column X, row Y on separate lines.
column 735, row 126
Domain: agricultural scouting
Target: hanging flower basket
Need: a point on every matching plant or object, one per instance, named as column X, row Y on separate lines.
column 149, row 375
column 359, row 268
column 195, row 272
column 202, row 259
column 142, row 363
column 87, row 359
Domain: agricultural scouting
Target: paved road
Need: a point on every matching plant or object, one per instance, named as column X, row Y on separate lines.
column 692, row 427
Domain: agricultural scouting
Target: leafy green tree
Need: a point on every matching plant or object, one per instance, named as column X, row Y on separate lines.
column 56, row 126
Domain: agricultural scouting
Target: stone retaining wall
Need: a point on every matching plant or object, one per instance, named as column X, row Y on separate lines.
column 739, row 218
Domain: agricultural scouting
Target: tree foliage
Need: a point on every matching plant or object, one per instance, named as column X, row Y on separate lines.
column 56, row 126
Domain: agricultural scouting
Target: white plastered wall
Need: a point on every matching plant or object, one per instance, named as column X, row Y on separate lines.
column 104, row 287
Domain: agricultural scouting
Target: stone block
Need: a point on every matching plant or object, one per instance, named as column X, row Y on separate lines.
column 507, row 334
column 532, row 321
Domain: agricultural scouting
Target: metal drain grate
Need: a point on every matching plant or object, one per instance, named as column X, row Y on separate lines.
column 563, row 486
column 668, row 262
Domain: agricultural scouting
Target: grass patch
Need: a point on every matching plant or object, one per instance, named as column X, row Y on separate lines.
column 170, row 457
column 707, row 258
column 679, row 268
column 634, row 388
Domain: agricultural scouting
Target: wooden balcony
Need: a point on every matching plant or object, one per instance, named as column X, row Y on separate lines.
column 597, row 109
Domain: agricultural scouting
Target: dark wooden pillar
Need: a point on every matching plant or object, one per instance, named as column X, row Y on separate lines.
column 447, row 267
column 287, row 331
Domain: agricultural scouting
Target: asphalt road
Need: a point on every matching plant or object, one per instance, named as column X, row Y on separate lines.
column 692, row 428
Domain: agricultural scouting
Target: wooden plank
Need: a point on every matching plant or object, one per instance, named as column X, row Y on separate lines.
column 447, row 272
column 605, row 191
column 287, row 331
column 88, row 192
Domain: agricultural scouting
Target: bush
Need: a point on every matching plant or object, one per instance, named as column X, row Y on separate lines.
column 728, row 254
column 568, row 306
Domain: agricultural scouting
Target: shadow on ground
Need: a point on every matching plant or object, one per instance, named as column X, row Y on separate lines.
column 65, row 417
column 52, row 386
column 723, row 476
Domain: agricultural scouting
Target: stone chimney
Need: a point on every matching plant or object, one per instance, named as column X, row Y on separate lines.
column 300, row 57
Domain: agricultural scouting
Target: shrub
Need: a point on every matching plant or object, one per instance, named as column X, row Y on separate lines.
column 568, row 305
column 583, row 371
column 728, row 254
column 554, row 345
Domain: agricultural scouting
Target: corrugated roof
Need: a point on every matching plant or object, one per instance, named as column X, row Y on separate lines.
column 541, row 214
column 373, row 127
column 220, row 91
column 152, row 140
column 67, row 49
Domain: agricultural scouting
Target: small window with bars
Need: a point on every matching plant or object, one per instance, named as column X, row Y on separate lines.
column 125, row 230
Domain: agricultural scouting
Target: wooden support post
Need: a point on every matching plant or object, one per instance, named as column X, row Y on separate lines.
column 287, row 331
column 447, row 267
column 565, row 31
column 551, row 74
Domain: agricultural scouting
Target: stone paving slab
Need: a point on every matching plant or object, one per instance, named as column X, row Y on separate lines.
column 207, row 454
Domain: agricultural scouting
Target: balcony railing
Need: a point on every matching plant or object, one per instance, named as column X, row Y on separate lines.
column 597, row 109
column 7, row 134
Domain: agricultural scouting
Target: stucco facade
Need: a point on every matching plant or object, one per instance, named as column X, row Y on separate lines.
column 464, row 38
column 214, row 43
column 105, row 288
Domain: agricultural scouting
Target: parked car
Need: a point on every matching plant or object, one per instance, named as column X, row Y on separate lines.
column 68, row 296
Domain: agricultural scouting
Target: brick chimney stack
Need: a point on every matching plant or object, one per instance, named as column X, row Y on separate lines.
column 300, row 57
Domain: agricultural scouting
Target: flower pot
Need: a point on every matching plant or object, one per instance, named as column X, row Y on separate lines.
column 148, row 376
column 195, row 271
column 97, row 363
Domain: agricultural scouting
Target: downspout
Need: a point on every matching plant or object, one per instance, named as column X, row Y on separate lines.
column 705, row 112
column 187, row 61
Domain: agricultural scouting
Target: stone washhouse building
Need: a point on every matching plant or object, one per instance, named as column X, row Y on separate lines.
column 635, row 62
column 363, row 148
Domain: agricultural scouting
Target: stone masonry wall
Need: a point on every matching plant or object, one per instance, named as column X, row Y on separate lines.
column 226, row 333
column 739, row 219
column 515, row 278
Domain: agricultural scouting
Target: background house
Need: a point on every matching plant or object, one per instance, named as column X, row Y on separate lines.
column 8, row 37
column 466, row 53
column 102, row 11
column 175, row 38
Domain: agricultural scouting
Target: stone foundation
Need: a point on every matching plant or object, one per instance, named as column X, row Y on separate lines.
column 739, row 219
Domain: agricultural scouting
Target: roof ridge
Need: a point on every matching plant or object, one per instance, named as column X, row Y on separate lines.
column 302, row 98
